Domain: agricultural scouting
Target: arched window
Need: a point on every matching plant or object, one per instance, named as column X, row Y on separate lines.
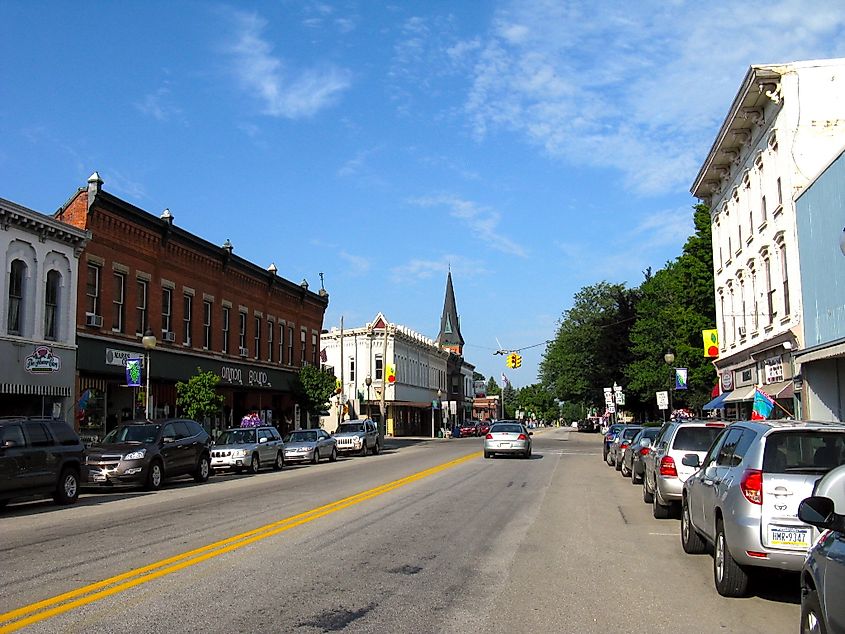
column 51, row 305
column 17, row 275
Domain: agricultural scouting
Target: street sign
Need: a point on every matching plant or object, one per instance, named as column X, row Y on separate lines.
column 620, row 398
column 663, row 400
column 611, row 408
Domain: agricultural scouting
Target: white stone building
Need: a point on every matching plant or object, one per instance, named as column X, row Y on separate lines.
column 786, row 122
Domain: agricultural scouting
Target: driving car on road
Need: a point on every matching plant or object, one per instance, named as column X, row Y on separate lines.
column 664, row 474
column 484, row 427
column 508, row 437
column 744, row 496
column 620, row 444
column 823, row 573
column 248, row 448
column 309, row 445
column 632, row 458
column 468, row 428
column 357, row 436
column 147, row 452
column 39, row 456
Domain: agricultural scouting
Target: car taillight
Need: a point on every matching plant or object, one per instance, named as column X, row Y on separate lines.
column 667, row 467
column 488, row 437
column 751, row 485
column 644, row 451
column 714, row 425
column 624, row 445
column 522, row 437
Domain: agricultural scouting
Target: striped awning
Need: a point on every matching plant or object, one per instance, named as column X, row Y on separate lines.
column 34, row 389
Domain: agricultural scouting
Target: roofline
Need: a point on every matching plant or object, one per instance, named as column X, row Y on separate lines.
column 61, row 231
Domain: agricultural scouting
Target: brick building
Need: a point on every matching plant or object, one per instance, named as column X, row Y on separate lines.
column 207, row 307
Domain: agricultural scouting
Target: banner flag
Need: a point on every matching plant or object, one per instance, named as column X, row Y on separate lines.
column 680, row 378
column 711, row 342
column 133, row 372
column 763, row 405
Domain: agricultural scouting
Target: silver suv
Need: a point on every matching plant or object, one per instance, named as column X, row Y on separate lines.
column 663, row 472
column 357, row 436
column 249, row 448
column 745, row 493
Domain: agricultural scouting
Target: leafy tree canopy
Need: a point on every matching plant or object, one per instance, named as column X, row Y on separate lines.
column 314, row 387
column 198, row 397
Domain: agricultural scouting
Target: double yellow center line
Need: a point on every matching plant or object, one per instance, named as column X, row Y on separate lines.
column 43, row 610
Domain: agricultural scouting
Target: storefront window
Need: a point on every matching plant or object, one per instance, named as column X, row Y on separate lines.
column 90, row 413
column 16, row 278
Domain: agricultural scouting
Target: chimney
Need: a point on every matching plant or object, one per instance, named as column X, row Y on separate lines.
column 95, row 183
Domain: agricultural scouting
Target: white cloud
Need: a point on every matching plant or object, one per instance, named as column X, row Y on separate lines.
column 356, row 264
column 639, row 87
column 155, row 105
column 283, row 93
column 417, row 269
column 482, row 222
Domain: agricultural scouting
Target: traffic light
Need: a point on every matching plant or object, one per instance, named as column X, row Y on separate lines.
column 517, row 361
column 514, row 360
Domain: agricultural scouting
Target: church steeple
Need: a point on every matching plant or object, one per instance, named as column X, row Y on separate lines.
column 450, row 327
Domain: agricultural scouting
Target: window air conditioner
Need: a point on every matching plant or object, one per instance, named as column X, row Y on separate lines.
column 168, row 336
column 742, row 331
column 93, row 320
column 244, row 352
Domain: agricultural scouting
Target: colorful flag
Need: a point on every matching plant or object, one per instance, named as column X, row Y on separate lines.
column 711, row 342
column 763, row 405
column 680, row 378
column 324, row 355
column 133, row 372
column 504, row 380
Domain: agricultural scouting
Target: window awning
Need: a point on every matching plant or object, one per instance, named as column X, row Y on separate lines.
column 741, row 394
column 781, row 389
column 718, row 402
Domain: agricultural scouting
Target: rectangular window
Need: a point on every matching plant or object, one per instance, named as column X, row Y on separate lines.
column 314, row 349
column 784, row 271
column 257, row 337
column 770, row 292
column 141, row 324
column 754, row 319
column 270, row 328
column 206, row 324
column 51, row 305
column 742, row 304
column 352, row 369
column 302, row 358
column 739, row 235
column 282, row 343
column 166, row 309
column 763, row 210
column 379, row 368
column 242, row 332
column 780, row 193
column 16, row 281
column 117, row 303
column 187, row 304
column 290, row 345
column 750, row 223
column 92, row 290
column 225, row 347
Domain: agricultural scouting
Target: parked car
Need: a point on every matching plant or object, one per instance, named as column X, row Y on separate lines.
column 484, row 427
column 620, row 444
column 664, row 474
column 248, row 448
column 609, row 437
column 632, row 458
column 357, row 436
column 587, row 425
column 39, row 456
column 744, row 496
column 469, row 428
column 310, row 445
column 508, row 437
column 147, row 452
column 823, row 573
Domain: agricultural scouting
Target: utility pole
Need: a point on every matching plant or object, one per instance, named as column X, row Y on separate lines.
column 382, row 405
column 340, row 394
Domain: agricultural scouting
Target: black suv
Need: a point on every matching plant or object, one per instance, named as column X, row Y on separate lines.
column 146, row 452
column 39, row 456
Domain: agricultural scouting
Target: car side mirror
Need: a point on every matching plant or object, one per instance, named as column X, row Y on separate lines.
column 262, row 440
column 531, row 433
column 645, row 442
column 818, row 511
column 691, row 460
column 168, row 439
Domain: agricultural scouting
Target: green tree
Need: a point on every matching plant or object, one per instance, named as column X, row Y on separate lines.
column 493, row 388
column 477, row 376
column 313, row 388
column 198, row 397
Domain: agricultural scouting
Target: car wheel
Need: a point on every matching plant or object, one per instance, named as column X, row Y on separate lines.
column 626, row 472
column 316, row 457
column 203, row 469
column 636, row 478
column 279, row 462
column 658, row 510
column 376, row 449
column 812, row 621
column 609, row 460
column 67, row 490
column 364, row 449
column 155, row 475
column 487, row 454
column 730, row 578
column 690, row 539
column 254, row 464
column 333, row 457
column 617, row 463
column 648, row 496
column 604, row 453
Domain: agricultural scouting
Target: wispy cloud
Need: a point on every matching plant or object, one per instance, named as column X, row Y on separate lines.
column 357, row 163
column 157, row 105
column 642, row 89
column 117, row 182
column 417, row 269
column 284, row 93
column 356, row 264
column 482, row 222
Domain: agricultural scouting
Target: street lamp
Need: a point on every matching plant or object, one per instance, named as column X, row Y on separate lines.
column 368, row 382
column 669, row 358
column 149, row 341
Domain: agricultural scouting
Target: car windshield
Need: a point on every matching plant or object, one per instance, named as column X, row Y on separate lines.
column 350, row 427
column 695, row 438
column 794, row 450
column 615, row 429
column 302, row 436
column 133, row 433
column 630, row 432
column 468, row 423
column 237, row 437
column 512, row 429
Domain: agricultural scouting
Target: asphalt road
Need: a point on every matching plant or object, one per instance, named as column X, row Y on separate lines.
column 427, row 537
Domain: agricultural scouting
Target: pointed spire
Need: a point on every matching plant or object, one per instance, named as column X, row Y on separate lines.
column 450, row 336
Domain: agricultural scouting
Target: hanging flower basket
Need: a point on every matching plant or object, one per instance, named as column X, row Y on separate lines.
column 251, row 420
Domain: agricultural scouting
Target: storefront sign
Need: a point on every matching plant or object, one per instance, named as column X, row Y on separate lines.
column 774, row 369
column 42, row 361
column 235, row 376
column 727, row 381
column 119, row 357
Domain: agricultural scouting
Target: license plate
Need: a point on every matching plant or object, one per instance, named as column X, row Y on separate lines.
column 99, row 477
column 504, row 445
column 789, row 536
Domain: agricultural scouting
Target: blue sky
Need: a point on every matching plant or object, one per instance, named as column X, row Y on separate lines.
column 535, row 147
